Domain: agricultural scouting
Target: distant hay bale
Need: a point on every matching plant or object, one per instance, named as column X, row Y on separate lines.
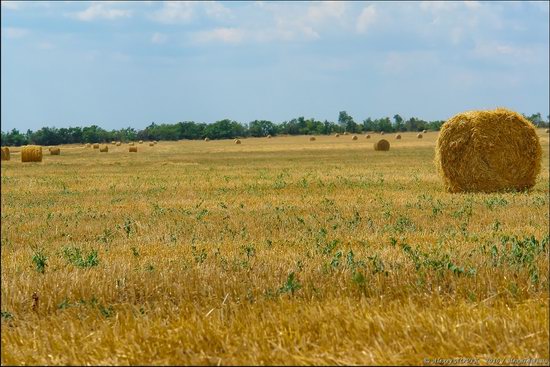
column 96, row 146
column 104, row 149
column 206, row 139
column 113, row 142
column 88, row 145
column 337, row 135
column 5, row 154
column 237, row 141
column 488, row 151
column 382, row 144
column 354, row 137
column 31, row 153
column 398, row 136
column 269, row 136
column 547, row 131
column 141, row 141
column 312, row 138
column 55, row 151
column 132, row 149
column 131, row 144
column 419, row 136
column 424, row 131
column 151, row 144
column 118, row 143
column 345, row 133
column 381, row 133
column 368, row 136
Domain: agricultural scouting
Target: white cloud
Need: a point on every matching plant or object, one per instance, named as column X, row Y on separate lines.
column 11, row 5
column 13, row 32
column 366, row 18
column 215, row 9
column 225, row 35
column 325, row 11
column 159, row 38
column 102, row 11
column 175, row 12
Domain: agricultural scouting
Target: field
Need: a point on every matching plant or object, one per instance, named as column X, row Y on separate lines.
column 275, row 251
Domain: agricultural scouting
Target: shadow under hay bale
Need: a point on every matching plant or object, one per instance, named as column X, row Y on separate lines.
column 31, row 153
column 488, row 151
column 382, row 145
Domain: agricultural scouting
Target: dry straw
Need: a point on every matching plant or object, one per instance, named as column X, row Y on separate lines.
column 382, row 144
column 96, row 146
column 132, row 149
column 368, row 136
column 398, row 136
column 5, row 154
column 31, row 153
column 55, row 151
column 419, row 136
column 312, row 138
column 237, row 141
column 354, row 137
column 487, row 151
column 104, row 149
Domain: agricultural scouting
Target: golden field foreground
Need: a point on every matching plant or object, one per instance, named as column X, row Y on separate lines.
column 274, row 251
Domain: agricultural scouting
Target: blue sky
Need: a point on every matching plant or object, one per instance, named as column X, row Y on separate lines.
column 120, row 64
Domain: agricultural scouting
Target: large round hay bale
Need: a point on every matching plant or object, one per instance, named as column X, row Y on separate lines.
column 31, row 153
column 382, row 144
column 206, row 139
column 312, row 138
column 354, row 137
column 141, row 141
column 382, row 133
column 237, row 141
column 368, row 136
column 88, row 145
column 337, row 135
column 55, row 151
column 118, row 143
column 419, row 136
column 345, row 133
column 5, row 153
column 151, row 144
column 487, row 151
column 132, row 149
column 96, row 145
column 269, row 136
column 398, row 137
column 104, row 149
column 113, row 142
column 547, row 131
column 424, row 131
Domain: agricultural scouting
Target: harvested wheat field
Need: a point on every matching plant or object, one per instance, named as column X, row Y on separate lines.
column 269, row 252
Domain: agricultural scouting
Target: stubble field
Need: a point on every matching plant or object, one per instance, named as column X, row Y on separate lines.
column 275, row 251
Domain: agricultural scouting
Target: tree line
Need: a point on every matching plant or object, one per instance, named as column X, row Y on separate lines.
column 225, row 129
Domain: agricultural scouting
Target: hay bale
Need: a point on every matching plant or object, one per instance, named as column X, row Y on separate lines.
column 337, row 135
column 419, row 136
column 206, row 139
column 424, row 131
column 237, row 141
column 104, row 149
column 345, row 133
column 88, row 145
column 31, row 153
column 269, row 136
column 488, row 151
column 113, row 142
column 368, row 136
column 132, row 149
column 354, row 137
column 5, row 153
column 382, row 144
column 381, row 133
column 118, row 143
column 131, row 144
column 96, row 146
column 312, row 138
column 141, row 141
column 55, row 151
column 547, row 131
column 151, row 144
column 398, row 137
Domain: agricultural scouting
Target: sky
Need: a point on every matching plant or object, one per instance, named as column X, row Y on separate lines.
column 128, row 64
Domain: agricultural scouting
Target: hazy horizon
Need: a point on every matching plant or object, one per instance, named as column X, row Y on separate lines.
column 121, row 64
